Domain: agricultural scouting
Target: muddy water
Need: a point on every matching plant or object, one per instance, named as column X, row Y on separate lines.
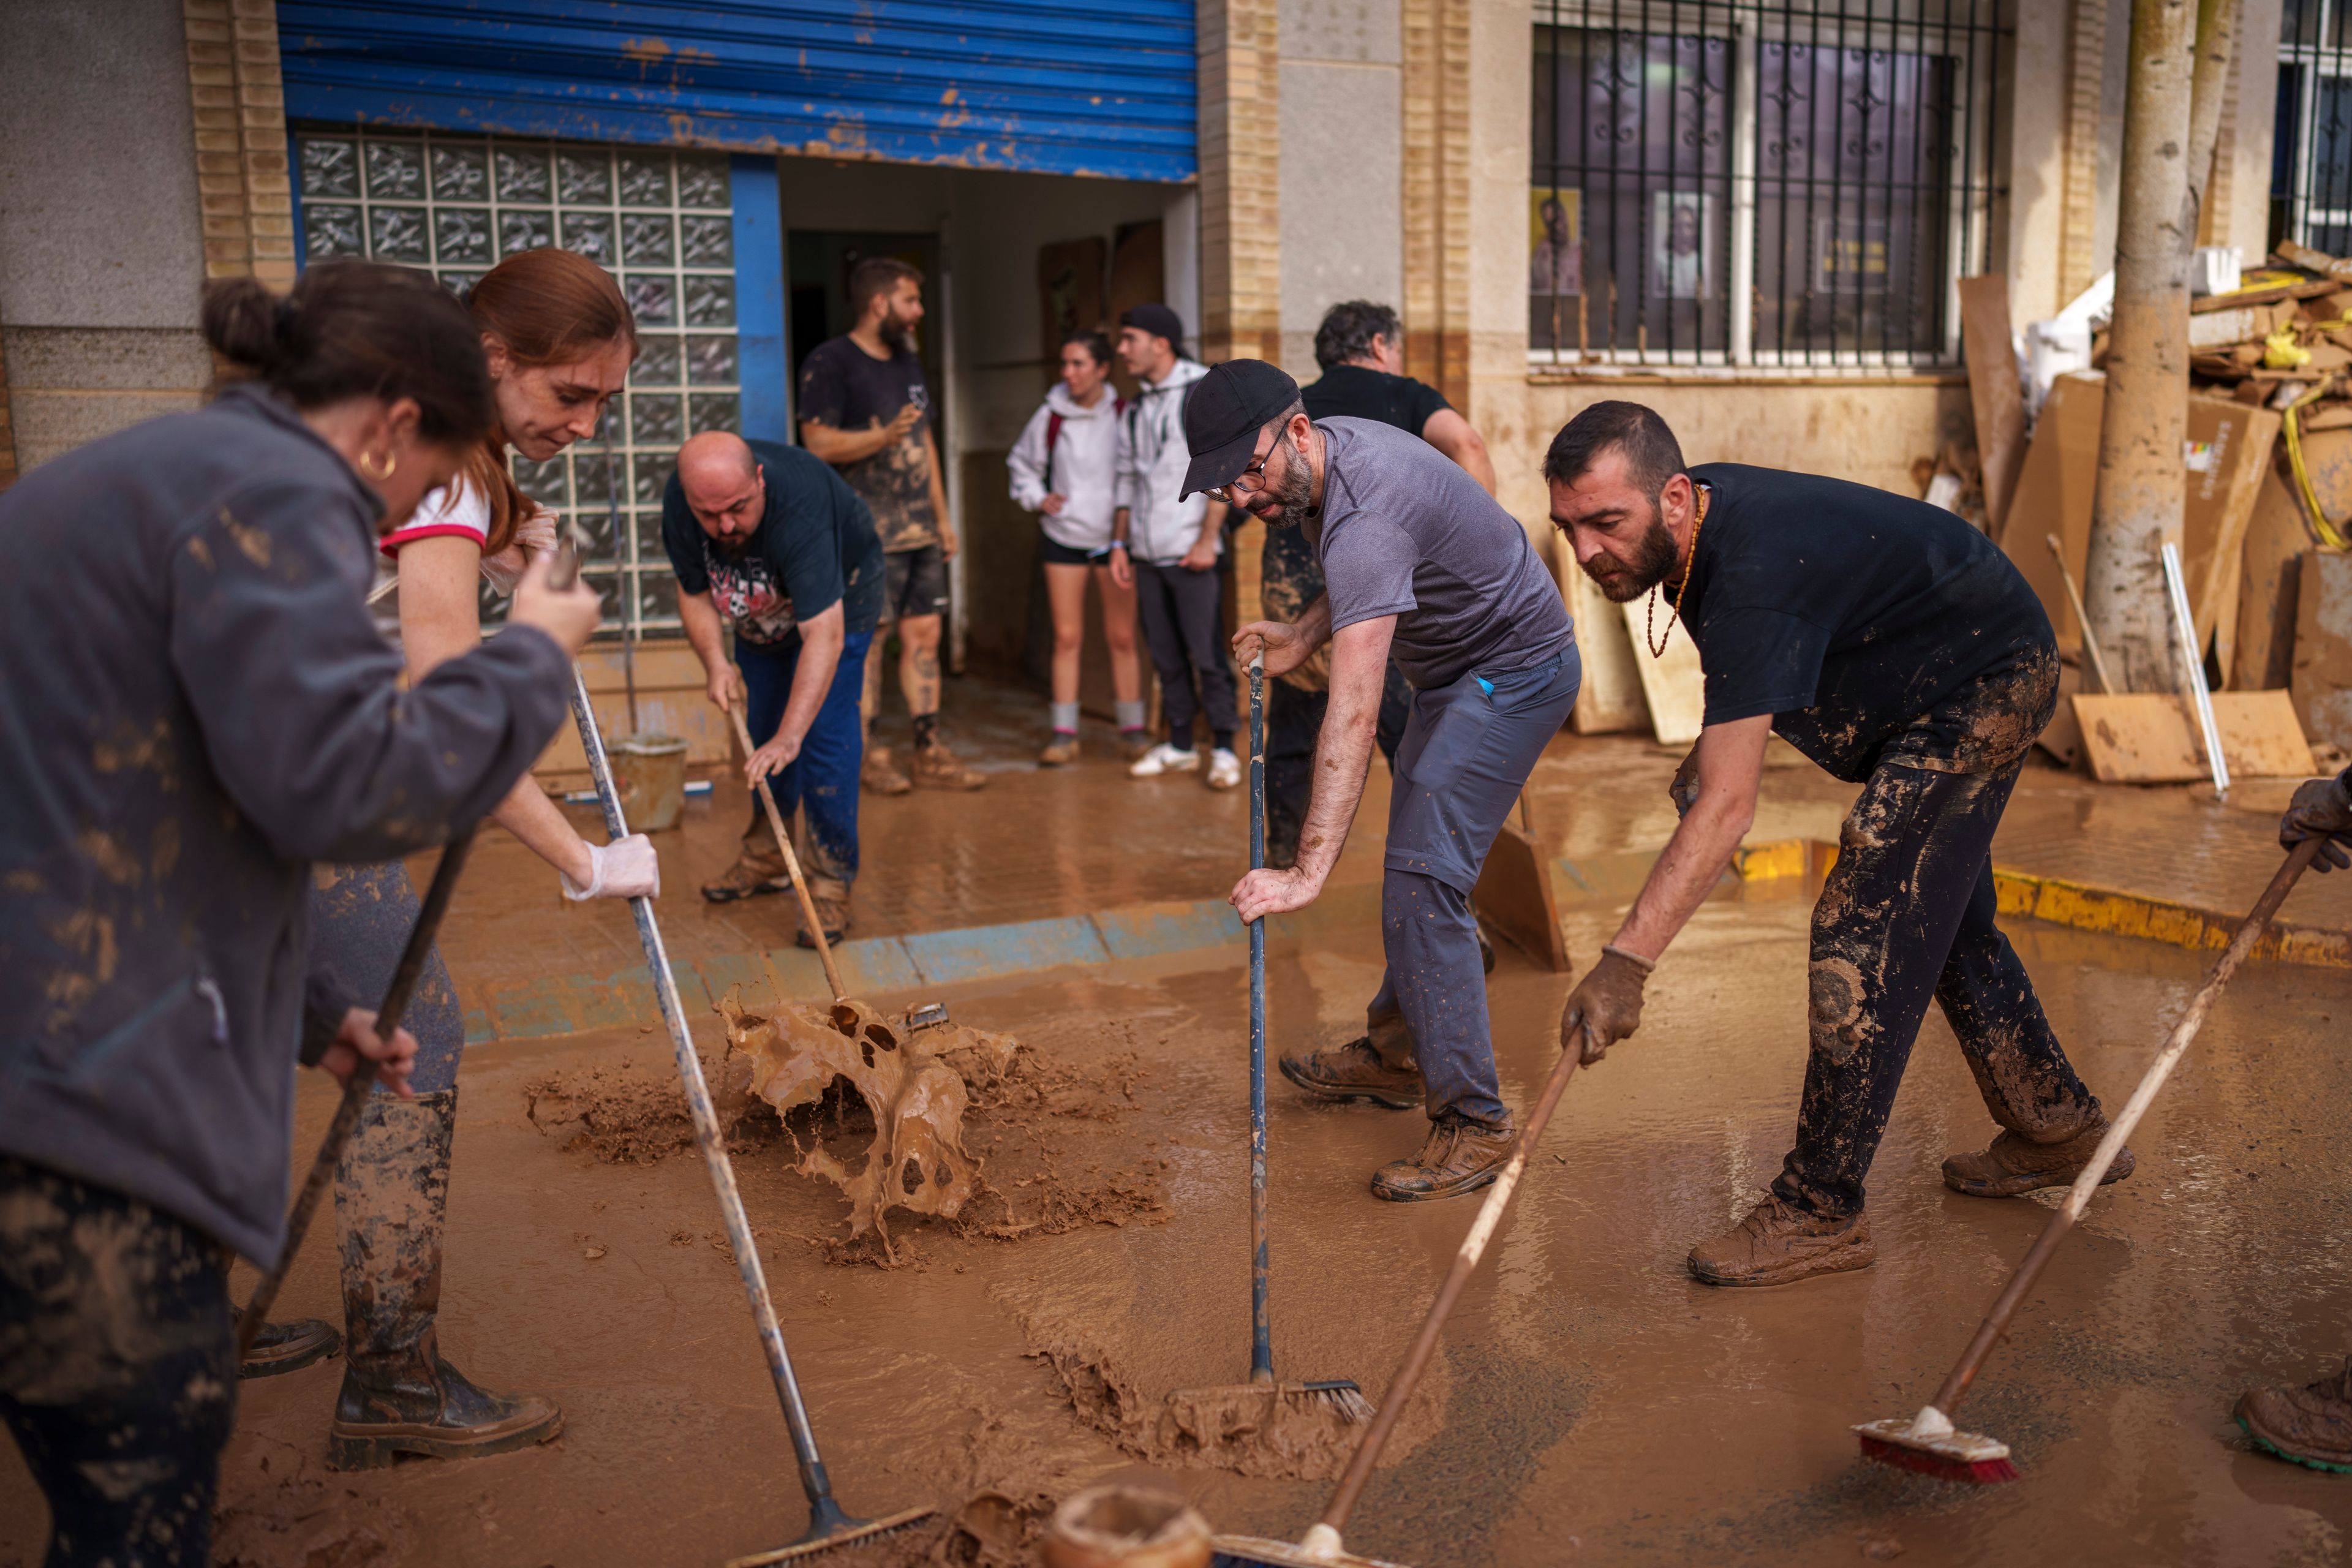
column 1591, row 1402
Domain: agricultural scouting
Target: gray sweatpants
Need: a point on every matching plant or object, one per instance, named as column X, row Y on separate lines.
column 1467, row 752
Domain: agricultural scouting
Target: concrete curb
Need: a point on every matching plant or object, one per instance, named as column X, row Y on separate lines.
column 885, row 965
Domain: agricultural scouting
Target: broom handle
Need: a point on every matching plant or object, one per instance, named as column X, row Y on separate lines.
column 792, row 861
column 1996, row 1323
column 1261, row 1264
column 1465, row 1262
column 357, row 1087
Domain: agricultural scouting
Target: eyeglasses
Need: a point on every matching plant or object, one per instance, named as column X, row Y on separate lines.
column 1227, row 492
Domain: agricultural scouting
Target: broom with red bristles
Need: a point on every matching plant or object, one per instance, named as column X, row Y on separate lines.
column 1927, row 1442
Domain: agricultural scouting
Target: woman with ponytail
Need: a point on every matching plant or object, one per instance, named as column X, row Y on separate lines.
column 195, row 708
column 559, row 339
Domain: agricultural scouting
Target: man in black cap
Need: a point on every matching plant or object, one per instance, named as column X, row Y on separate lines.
column 1421, row 562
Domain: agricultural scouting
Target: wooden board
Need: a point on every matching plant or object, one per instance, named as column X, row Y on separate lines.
column 1674, row 686
column 670, row 701
column 2223, row 498
column 1516, row 902
column 1609, row 700
column 2322, row 677
column 2150, row 737
column 1996, row 397
column 2261, row 736
column 2275, row 543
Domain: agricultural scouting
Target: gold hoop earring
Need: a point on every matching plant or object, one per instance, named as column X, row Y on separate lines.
column 367, row 466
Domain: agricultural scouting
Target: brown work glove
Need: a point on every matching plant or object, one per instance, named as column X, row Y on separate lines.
column 2322, row 808
column 1683, row 790
column 1605, row 1006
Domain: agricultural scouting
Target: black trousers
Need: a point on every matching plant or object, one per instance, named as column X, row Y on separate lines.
column 1182, row 615
column 1293, row 719
column 118, row 1369
column 1907, row 914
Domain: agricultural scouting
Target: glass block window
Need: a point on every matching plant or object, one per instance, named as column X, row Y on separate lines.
column 659, row 220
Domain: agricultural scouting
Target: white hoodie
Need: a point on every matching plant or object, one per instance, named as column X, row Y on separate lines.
column 1152, row 457
column 1081, row 467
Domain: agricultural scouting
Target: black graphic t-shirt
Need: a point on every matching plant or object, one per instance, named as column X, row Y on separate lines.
column 1844, row 610
column 846, row 388
column 814, row 547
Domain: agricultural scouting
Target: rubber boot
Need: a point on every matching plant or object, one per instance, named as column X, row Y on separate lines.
column 289, row 1347
column 392, row 1197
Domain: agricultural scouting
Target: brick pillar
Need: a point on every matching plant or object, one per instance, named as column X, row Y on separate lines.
column 242, row 178
column 2086, row 75
column 1241, row 147
column 1437, row 194
column 7, row 428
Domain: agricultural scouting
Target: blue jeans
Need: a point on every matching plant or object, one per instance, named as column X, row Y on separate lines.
column 823, row 780
column 1466, row 754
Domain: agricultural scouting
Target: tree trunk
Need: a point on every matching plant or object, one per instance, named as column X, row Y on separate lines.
column 2142, row 484
column 2217, row 29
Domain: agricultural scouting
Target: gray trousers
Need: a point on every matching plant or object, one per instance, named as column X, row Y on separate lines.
column 1467, row 752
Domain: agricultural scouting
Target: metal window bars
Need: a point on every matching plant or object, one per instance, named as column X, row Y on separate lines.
column 2311, row 161
column 1737, row 182
column 661, row 220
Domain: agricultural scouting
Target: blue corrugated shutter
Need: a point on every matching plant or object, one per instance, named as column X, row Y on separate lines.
column 1068, row 87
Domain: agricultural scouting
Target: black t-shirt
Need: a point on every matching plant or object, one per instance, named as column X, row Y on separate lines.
column 844, row 386
column 814, row 547
column 1360, row 391
column 1846, row 612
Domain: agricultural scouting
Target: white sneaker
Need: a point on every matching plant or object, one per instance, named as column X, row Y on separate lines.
column 1224, row 770
column 1163, row 758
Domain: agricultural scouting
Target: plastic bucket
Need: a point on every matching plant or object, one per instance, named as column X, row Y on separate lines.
column 1131, row 1526
column 649, row 771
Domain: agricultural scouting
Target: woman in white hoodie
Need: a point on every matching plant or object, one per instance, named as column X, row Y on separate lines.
column 1065, row 469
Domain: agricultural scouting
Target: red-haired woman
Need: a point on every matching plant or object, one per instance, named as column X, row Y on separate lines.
column 559, row 340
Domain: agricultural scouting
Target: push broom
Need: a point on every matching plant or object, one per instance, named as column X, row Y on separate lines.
column 1341, row 1396
column 1927, row 1442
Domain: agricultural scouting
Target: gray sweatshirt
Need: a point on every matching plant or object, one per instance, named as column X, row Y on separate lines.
column 193, row 707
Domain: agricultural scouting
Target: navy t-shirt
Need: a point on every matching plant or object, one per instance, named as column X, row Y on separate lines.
column 814, row 547
column 1846, row 612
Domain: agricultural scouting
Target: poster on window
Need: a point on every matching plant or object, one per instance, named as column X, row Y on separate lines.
column 1682, row 244
column 1554, row 242
column 1850, row 255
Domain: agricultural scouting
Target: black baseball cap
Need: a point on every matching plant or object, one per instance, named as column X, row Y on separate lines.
column 1223, row 415
column 1160, row 321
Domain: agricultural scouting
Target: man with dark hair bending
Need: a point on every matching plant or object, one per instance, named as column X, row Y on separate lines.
column 1894, row 646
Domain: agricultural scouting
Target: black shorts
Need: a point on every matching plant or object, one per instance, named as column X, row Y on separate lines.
column 914, row 582
column 1053, row 552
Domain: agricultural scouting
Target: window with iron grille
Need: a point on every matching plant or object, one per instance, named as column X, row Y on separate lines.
column 2311, row 146
column 660, row 221
column 1731, row 182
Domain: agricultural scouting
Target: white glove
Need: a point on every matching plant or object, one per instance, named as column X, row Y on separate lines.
column 628, row 869
column 534, row 535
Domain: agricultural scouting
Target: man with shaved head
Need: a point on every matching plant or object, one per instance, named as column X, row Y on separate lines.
column 769, row 542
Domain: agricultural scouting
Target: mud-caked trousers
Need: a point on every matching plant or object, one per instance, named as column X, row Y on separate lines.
column 1467, row 751
column 1907, row 914
column 118, row 1368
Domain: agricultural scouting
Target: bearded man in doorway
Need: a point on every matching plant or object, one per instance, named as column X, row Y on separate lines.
column 1894, row 645
column 865, row 409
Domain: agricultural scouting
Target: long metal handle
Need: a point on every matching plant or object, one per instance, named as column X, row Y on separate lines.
column 2175, row 589
column 357, row 1088
column 792, row 861
column 1996, row 1321
column 707, row 1135
column 1261, row 1266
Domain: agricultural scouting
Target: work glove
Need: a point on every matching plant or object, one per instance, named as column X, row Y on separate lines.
column 625, row 870
column 1606, row 1004
column 2321, row 808
column 1683, row 790
column 534, row 535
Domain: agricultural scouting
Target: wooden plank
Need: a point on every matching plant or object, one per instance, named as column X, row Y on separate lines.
column 1996, row 397
column 2053, row 496
column 1609, row 700
column 2261, row 737
column 2322, row 677
column 1516, row 899
column 2275, row 541
column 2229, row 491
column 1674, row 686
column 2149, row 737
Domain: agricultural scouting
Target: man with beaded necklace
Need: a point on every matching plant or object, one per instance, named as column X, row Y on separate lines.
column 1897, row 648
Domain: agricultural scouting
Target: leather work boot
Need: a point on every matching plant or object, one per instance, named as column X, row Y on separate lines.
column 1780, row 1244
column 880, row 776
column 1460, row 1157
column 2308, row 1426
column 2015, row 1165
column 936, row 767
column 1061, row 751
column 1354, row 1071
column 752, row 875
column 831, row 897
column 289, row 1347
column 399, row 1397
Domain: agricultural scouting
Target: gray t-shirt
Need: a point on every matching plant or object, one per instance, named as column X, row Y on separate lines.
column 1406, row 533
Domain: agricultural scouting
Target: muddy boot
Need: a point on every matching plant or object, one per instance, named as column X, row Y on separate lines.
column 831, row 897
column 1780, row 1244
column 936, row 767
column 1061, row 751
column 2016, row 1164
column 289, row 1347
column 1461, row 1156
column 753, row 874
column 880, row 776
column 2308, row 1426
column 1354, row 1071
column 399, row 1397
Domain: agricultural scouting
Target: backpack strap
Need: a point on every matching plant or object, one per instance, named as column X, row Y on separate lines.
column 1053, row 434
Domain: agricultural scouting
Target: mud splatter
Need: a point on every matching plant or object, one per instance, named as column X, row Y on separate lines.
column 623, row 1114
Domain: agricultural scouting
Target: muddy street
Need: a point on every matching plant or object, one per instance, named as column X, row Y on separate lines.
column 1590, row 1401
